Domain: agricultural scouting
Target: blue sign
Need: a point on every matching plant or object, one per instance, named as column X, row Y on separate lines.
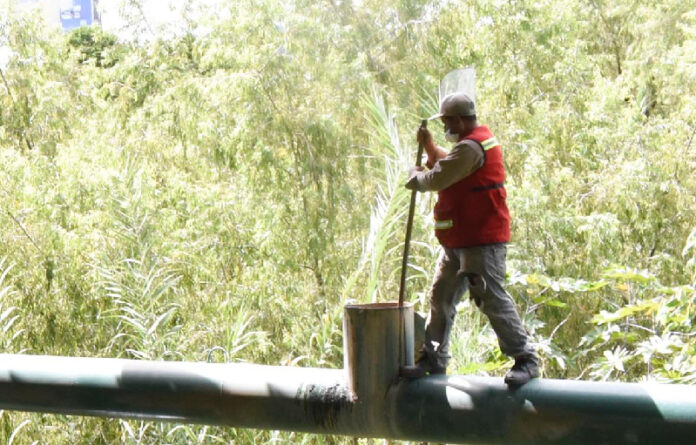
column 76, row 13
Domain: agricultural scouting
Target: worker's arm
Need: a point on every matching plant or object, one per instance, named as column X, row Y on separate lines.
column 465, row 158
column 434, row 152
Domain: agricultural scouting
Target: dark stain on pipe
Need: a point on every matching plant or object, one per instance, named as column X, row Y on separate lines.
column 325, row 403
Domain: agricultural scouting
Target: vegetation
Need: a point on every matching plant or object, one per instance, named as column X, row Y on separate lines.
column 221, row 193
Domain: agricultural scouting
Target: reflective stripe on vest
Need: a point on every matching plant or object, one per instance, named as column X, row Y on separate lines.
column 444, row 225
column 489, row 143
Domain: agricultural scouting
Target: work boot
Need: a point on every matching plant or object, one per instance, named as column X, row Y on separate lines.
column 425, row 365
column 525, row 369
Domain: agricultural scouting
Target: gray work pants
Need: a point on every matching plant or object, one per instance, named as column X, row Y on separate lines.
column 462, row 269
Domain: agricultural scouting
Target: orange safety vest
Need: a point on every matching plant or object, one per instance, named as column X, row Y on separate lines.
column 472, row 211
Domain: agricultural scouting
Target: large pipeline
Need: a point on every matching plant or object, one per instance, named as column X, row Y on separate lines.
column 367, row 399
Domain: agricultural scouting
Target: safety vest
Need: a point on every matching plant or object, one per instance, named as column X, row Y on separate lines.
column 473, row 212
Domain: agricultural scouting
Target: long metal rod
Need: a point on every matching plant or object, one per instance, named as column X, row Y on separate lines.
column 409, row 224
column 454, row 409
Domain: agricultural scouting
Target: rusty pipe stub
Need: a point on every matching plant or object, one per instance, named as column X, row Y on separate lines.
column 377, row 340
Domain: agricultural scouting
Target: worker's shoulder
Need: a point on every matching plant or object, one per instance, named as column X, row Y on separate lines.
column 467, row 145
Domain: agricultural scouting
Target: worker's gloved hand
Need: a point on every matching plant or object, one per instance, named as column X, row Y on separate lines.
column 413, row 171
column 424, row 137
column 412, row 183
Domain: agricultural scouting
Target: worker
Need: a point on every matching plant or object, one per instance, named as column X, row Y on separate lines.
column 472, row 224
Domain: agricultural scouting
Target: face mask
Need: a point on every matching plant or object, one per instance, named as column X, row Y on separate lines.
column 451, row 137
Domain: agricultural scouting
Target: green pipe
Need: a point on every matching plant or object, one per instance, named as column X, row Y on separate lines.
column 366, row 399
column 452, row 409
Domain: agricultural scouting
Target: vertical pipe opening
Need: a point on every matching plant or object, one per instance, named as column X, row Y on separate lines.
column 377, row 340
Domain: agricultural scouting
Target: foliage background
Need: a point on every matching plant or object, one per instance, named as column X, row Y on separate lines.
column 219, row 193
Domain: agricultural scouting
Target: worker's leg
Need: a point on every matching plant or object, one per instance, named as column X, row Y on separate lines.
column 494, row 301
column 445, row 293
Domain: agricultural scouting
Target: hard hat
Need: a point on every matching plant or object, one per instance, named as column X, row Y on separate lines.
column 456, row 104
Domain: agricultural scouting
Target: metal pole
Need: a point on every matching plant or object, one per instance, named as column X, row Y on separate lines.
column 409, row 225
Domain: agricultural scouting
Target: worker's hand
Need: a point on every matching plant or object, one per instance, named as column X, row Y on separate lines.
column 424, row 137
column 413, row 171
column 412, row 183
